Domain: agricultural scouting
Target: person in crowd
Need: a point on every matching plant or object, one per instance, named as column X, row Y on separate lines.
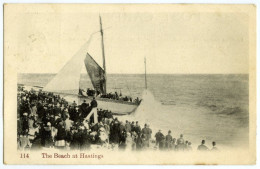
column 174, row 144
column 189, row 148
column 122, row 132
column 214, row 148
column 93, row 103
column 74, row 104
column 47, row 139
column 84, row 138
column 107, row 129
column 137, row 100
column 202, row 147
column 180, row 144
column 146, row 132
column 162, row 143
column 158, row 136
column 127, row 127
column 168, row 141
column 115, row 132
column 186, row 145
column 139, row 142
column 25, row 124
column 76, row 139
column 33, row 111
column 61, row 135
column 129, row 141
column 180, row 140
column 149, row 132
column 133, row 126
column 137, row 128
column 68, row 123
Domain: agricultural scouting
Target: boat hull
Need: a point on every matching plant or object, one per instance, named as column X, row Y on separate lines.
column 115, row 106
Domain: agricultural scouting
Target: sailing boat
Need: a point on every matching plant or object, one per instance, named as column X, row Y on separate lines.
column 66, row 82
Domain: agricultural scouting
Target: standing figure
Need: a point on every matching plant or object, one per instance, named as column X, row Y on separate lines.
column 202, row 147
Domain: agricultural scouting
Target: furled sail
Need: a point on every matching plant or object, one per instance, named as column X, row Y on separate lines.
column 96, row 73
column 67, row 79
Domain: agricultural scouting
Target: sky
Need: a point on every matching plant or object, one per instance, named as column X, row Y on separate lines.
column 44, row 39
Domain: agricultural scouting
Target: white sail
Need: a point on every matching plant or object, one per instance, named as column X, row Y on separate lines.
column 67, row 79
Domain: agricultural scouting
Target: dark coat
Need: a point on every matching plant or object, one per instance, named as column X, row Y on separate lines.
column 93, row 103
column 61, row 134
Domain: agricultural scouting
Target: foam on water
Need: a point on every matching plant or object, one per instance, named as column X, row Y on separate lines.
column 151, row 112
column 148, row 109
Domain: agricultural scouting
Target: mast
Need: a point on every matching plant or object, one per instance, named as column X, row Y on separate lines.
column 103, row 54
column 145, row 73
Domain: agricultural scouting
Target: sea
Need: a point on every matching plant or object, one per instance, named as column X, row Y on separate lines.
column 213, row 107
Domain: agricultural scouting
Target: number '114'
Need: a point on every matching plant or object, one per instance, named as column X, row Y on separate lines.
column 24, row 155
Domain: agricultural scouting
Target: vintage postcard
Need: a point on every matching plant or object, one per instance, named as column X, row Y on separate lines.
column 129, row 84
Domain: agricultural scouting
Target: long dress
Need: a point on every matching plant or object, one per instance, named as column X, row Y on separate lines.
column 60, row 138
column 129, row 142
column 48, row 141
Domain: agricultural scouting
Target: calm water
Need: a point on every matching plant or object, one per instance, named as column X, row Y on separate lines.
column 211, row 107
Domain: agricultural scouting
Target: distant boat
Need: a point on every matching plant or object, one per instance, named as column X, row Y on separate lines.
column 66, row 82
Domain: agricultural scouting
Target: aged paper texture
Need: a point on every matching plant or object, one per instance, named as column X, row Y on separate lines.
column 129, row 84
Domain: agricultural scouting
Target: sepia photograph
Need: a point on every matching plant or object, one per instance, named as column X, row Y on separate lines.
column 129, row 84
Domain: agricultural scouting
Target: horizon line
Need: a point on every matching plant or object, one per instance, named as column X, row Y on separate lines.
column 158, row 73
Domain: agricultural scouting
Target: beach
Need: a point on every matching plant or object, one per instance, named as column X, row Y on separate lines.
column 210, row 107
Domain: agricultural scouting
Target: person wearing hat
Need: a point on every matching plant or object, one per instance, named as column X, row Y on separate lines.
column 158, row 137
column 168, row 140
column 137, row 128
column 84, row 107
column 145, row 132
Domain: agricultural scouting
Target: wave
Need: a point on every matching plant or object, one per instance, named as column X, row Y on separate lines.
column 148, row 108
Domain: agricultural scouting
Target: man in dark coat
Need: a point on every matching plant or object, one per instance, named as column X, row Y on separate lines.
column 84, row 107
column 137, row 128
column 93, row 103
column 115, row 131
column 25, row 124
column 56, row 110
column 128, row 127
column 168, row 143
column 159, row 137
column 132, row 126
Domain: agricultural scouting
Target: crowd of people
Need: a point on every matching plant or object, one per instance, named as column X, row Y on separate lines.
column 169, row 143
column 46, row 120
